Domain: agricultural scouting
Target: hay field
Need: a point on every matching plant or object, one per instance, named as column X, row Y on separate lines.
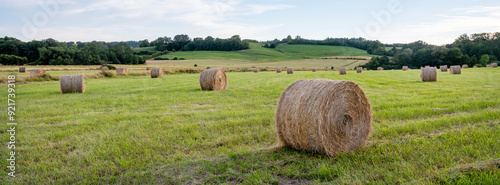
column 135, row 129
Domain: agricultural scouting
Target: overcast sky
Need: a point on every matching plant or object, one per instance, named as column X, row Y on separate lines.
column 390, row 21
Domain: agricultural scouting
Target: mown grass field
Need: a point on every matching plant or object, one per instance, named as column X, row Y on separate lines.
column 281, row 53
column 167, row 131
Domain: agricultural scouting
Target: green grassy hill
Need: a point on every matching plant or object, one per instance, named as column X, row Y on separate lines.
column 282, row 52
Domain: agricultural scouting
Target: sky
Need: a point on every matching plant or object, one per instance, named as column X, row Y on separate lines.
column 389, row 21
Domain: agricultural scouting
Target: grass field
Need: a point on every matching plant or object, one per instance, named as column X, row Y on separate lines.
column 167, row 131
column 281, row 53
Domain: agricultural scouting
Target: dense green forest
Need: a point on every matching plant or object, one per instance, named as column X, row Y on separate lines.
column 184, row 43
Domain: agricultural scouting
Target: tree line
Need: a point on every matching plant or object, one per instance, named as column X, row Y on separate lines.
column 184, row 43
column 51, row 52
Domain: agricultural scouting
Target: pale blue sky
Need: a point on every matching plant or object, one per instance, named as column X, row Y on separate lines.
column 390, row 21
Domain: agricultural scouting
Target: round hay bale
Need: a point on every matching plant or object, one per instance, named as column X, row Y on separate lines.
column 256, row 70
column 314, row 69
column 72, row 83
column 455, row 70
column 289, row 70
column 213, row 79
column 37, row 73
column 428, row 74
column 488, row 65
column 365, row 69
column 405, row 68
column 474, row 66
column 342, row 71
column 494, row 65
column 427, row 66
column 148, row 68
column 444, row 68
column 237, row 69
column 359, row 70
column 156, row 72
column 326, row 116
column 121, row 70
column 278, row 70
column 380, row 68
column 22, row 69
column 105, row 68
column 465, row 66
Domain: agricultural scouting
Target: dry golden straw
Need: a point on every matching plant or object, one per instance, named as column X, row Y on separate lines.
column 156, row 72
column 37, row 73
column 278, row 70
column 428, row 74
column 465, row 66
column 121, row 70
column 405, row 68
column 105, row 68
column 359, row 70
column 342, row 70
column 22, row 69
column 326, row 116
column 72, row 84
column 455, row 70
column 289, row 70
column 444, row 68
column 380, row 68
column 213, row 79
column 494, row 65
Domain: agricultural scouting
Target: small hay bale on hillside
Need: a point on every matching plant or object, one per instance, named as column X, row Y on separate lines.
column 121, row 70
column 37, row 73
column 105, row 68
column 22, row 69
column 72, row 84
column 494, row 65
column 256, row 70
column 289, row 70
column 326, row 116
column 380, row 68
column 444, row 68
column 342, row 71
column 278, row 70
column 148, row 68
column 455, row 70
column 157, row 72
column 314, row 69
column 405, row 68
column 428, row 74
column 465, row 66
column 213, row 79
column 359, row 70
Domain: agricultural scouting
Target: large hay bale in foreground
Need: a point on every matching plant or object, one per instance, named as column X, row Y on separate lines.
column 213, row 79
column 22, row 69
column 156, row 72
column 105, row 68
column 325, row 116
column 278, row 70
column 494, row 65
column 72, row 83
column 380, row 68
column 405, row 68
column 465, row 66
column 455, row 70
column 314, row 69
column 428, row 74
column 37, row 73
column 289, row 70
column 444, row 68
column 256, row 70
column 121, row 70
column 342, row 71
column 359, row 70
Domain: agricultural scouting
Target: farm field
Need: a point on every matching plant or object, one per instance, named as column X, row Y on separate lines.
column 140, row 130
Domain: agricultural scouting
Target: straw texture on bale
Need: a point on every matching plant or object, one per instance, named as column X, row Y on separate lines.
column 405, row 68
column 213, row 79
column 156, row 72
column 428, row 74
column 380, row 68
column 342, row 70
column 489, row 65
column 278, row 70
column 465, row 66
column 494, row 65
column 37, row 73
column 325, row 116
column 289, row 70
column 22, row 69
column 444, row 68
column 105, row 68
column 121, row 70
column 256, row 70
column 72, row 83
column 455, row 70
column 474, row 66
column 359, row 70
column 314, row 69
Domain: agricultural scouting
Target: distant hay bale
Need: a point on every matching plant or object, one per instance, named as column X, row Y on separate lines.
column 314, row 69
column 455, row 70
column 488, row 65
column 465, row 66
column 428, row 74
column 444, row 68
column 148, row 68
column 256, row 70
column 105, row 68
column 474, row 66
column 156, row 72
column 325, row 116
column 22, row 69
column 342, row 71
column 365, row 69
column 121, row 70
column 237, row 69
column 278, row 70
column 405, row 68
column 72, row 83
column 494, row 65
column 359, row 70
column 213, row 79
column 289, row 70
column 37, row 73
column 380, row 68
